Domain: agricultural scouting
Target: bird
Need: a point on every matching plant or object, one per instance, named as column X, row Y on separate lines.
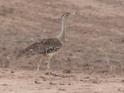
column 47, row 47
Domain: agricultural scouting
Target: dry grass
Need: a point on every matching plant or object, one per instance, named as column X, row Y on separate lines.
column 94, row 46
column 95, row 36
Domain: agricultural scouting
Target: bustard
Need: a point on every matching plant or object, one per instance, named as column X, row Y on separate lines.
column 48, row 47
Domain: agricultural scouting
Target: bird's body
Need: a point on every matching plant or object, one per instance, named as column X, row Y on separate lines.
column 44, row 46
column 47, row 47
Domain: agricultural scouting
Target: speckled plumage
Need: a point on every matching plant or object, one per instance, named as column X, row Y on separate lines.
column 47, row 47
column 44, row 46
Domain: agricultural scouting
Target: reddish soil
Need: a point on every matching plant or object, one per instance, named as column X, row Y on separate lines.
column 93, row 51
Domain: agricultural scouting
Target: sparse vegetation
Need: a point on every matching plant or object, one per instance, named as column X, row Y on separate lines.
column 94, row 45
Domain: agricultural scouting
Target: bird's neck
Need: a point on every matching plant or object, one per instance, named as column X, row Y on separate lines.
column 61, row 35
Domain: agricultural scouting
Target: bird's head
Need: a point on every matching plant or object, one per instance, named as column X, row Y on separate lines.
column 66, row 14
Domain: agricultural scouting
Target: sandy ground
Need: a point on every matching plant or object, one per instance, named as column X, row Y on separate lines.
column 93, row 51
column 21, row 81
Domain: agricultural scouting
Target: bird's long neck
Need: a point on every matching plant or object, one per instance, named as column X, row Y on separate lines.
column 61, row 35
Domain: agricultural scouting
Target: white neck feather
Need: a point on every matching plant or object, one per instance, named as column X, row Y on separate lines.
column 61, row 35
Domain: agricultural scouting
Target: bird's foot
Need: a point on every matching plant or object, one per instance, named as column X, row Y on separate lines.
column 48, row 73
column 51, row 73
column 37, row 82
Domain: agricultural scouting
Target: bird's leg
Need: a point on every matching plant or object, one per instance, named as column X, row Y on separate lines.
column 38, row 59
column 38, row 67
column 38, row 64
column 48, row 65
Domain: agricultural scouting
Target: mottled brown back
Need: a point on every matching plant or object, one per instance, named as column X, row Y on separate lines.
column 44, row 46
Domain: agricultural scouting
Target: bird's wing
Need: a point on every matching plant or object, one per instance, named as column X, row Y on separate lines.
column 43, row 46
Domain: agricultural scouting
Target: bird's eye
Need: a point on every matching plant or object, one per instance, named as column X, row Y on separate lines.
column 31, row 50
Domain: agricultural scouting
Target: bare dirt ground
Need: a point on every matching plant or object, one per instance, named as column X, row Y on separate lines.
column 21, row 81
column 93, row 51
